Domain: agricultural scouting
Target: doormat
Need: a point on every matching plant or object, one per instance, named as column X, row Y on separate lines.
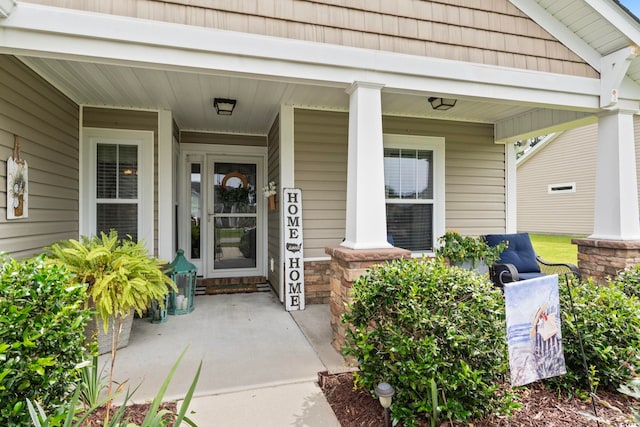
column 232, row 285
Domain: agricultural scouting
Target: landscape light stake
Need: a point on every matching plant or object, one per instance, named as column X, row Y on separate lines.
column 385, row 394
column 567, row 277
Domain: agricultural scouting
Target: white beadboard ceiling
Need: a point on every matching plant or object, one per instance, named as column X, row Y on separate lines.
column 189, row 96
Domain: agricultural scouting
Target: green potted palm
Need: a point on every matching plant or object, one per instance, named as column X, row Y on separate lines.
column 472, row 253
column 121, row 278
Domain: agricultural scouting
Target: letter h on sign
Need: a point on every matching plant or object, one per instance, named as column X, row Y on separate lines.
column 293, row 254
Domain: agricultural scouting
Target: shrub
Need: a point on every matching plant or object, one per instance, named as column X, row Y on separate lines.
column 414, row 321
column 609, row 323
column 629, row 281
column 42, row 320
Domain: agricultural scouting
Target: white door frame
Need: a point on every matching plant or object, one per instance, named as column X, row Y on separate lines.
column 219, row 153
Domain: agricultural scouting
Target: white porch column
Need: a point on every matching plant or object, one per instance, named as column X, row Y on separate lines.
column 366, row 226
column 616, row 198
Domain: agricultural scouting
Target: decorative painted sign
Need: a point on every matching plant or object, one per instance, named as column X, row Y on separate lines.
column 17, row 185
column 293, row 253
column 533, row 329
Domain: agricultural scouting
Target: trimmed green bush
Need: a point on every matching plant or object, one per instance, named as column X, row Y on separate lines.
column 609, row 323
column 629, row 281
column 42, row 320
column 414, row 321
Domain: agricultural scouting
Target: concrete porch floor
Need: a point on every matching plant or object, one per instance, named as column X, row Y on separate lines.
column 259, row 363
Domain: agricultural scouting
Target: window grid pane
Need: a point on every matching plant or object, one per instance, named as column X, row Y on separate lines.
column 106, row 187
column 120, row 217
column 127, row 172
column 410, row 225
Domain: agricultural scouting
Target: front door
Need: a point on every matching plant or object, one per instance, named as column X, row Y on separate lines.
column 234, row 231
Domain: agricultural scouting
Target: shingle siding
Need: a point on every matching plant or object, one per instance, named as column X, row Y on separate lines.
column 485, row 31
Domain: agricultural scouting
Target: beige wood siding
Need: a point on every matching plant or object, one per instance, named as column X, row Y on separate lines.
column 109, row 118
column 570, row 158
column 475, row 200
column 482, row 31
column 273, row 219
column 47, row 124
column 320, row 155
column 474, row 174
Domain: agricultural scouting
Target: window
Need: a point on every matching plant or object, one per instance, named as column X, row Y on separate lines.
column 117, row 184
column 567, row 187
column 414, row 190
column 117, row 189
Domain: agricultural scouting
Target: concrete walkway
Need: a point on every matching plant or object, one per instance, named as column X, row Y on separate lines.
column 260, row 363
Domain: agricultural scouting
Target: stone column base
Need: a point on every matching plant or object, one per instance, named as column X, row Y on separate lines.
column 347, row 265
column 603, row 259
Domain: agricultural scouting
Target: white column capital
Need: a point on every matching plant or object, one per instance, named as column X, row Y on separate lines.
column 360, row 84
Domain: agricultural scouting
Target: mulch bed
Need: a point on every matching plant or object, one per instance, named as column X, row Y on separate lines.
column 133, row 413
column 540, row 407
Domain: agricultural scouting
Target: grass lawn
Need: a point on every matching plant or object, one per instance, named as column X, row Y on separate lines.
column 555, row 248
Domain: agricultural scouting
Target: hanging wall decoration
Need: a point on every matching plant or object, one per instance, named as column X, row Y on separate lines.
column 17, row 185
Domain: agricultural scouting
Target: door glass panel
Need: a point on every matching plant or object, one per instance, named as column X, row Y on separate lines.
column 196, row 210
column 235, row 215
column 235, row 188
column 235, row 243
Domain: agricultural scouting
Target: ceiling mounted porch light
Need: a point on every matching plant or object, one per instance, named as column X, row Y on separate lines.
column 6, row 7
column 224, row 107
column 442, row 104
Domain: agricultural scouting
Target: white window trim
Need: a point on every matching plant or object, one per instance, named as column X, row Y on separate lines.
column 562, row 188
column 144, row 139
column 435, row 144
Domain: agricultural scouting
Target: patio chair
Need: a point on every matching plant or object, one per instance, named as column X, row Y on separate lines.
column 520, row 262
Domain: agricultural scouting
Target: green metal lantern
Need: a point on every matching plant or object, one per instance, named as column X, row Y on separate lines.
column 184, row 275
column 159, row 312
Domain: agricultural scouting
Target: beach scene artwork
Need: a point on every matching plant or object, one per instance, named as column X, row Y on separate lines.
column 534, row 332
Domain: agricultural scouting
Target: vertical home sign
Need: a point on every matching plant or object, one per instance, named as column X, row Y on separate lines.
column 293, row 254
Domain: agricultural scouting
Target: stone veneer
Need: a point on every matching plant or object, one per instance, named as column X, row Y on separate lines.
column 347, row 265
column 317, row 287
column 602, row 259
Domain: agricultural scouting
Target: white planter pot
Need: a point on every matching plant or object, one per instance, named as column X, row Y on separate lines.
column 95, row 331
column 477, row 265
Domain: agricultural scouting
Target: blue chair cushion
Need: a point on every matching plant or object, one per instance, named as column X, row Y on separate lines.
column 525, row 276
column 520, row 252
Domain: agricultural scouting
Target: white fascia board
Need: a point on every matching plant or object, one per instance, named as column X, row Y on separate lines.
column 560, row 31
column 34, row 30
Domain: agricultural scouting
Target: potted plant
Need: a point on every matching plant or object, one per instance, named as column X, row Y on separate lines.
column 121, row 277
column 468, row 252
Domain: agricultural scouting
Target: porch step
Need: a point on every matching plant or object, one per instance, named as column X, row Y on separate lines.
column 230, row 285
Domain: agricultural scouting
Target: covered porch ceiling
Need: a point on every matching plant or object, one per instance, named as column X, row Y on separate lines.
column 189, row 95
